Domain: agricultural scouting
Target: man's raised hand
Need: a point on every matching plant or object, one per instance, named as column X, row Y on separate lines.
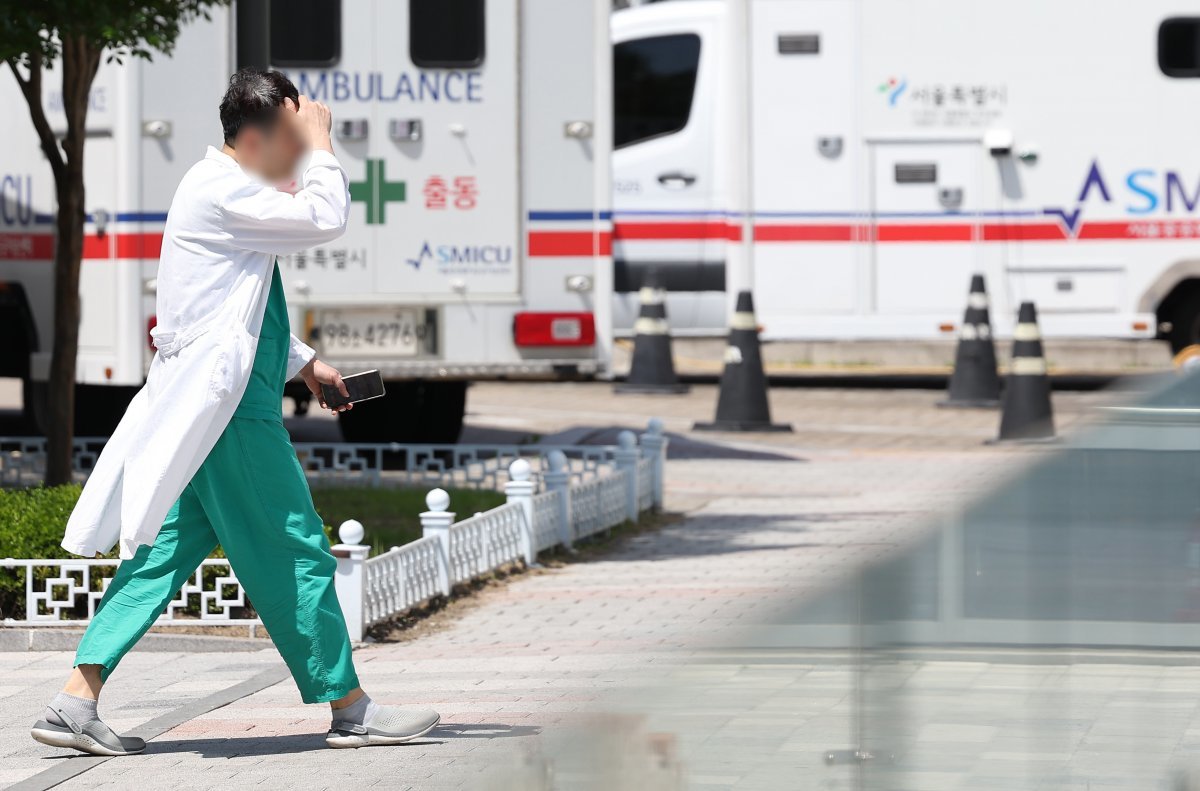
column 313, row 120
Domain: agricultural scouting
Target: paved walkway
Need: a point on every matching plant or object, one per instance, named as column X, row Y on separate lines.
column 521, row 678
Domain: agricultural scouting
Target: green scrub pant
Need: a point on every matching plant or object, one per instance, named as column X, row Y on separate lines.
column 251, row 496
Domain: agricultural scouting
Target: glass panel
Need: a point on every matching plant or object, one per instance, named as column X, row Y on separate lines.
column 1179, row 47
column 306, row 32
column 653, row 83
column 446, row 33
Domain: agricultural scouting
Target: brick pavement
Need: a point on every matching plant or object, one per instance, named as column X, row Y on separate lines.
column 608, row 653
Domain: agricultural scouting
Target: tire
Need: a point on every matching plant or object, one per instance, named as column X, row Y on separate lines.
column 98, row 408
column 1184, row 315
column 420, row 412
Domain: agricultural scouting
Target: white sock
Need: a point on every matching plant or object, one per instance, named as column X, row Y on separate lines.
column 359, row 712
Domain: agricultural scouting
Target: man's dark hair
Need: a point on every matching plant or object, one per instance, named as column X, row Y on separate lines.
column 251, row 99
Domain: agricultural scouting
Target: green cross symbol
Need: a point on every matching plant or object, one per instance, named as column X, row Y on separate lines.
column 376, row 191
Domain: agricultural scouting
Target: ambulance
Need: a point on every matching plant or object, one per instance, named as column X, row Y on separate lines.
column 853, row 162
column 476, row 134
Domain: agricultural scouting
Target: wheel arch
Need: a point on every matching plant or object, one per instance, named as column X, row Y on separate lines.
column 1167, row 283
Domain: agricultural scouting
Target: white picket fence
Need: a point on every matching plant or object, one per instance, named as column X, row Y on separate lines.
column 555, row 497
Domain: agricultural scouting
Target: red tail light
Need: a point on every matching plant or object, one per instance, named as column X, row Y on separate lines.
column 554, row 329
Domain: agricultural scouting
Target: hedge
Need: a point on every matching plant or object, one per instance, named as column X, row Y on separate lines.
column 32, row 523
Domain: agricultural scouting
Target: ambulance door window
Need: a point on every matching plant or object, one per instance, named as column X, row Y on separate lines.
column 654, row 80
column 306, row 32
column 446, row 34
column 1179, row 47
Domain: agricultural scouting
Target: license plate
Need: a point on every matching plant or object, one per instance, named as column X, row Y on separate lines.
column 393, row 332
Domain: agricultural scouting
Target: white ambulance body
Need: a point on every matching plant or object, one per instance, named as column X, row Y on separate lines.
column 854, row 161
column 476, row 135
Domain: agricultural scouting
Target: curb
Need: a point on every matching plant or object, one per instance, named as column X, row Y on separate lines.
column 17, row 639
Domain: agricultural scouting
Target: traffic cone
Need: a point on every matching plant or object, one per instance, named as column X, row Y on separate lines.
column 1027, row 413
column 975, row 382
column 742, row 403
column 652, row 369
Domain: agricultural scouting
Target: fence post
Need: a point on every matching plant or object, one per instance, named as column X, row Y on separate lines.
column 626, row 457
column 436, row 522
column 350, row 579
column 519, row 489
column 558, row 479
column 654, row 444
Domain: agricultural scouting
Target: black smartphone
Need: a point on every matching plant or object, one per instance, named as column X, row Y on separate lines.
column 361, row 387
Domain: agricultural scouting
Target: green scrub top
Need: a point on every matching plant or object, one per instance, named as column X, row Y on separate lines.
column 263, row 399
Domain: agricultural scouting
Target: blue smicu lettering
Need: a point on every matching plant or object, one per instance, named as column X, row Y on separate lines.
column 474, row 254
column 1146, row 191
column 444, row 86
column 16, row 200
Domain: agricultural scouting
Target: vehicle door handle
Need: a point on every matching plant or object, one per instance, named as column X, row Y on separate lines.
column 676, row 180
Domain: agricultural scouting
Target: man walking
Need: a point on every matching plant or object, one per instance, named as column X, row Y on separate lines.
column 201, row 456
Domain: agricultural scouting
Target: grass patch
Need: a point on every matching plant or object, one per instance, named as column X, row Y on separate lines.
column 392, row 516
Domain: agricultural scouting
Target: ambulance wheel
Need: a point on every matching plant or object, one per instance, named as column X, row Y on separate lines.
column 443, row 407
column 420, row 412
column 98, row 408
column 1184, row 316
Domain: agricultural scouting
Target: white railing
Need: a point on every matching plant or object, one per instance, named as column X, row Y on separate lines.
column 547, row 511
column 67, row 592
column 555, row 498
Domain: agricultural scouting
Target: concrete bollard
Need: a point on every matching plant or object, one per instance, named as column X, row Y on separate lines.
column 558, row 479
column 520, row 489
column 626, row 457
column 350, row 578
column 654, row 446
column 436, row 522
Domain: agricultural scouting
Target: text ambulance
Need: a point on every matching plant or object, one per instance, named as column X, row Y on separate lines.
column 476, row 134
column 854, row 161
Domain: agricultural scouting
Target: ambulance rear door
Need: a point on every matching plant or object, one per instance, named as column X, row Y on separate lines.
column 926, row 234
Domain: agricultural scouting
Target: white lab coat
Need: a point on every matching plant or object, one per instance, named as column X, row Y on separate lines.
column 222, row 235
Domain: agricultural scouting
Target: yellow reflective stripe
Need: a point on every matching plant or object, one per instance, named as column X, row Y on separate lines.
column 1028, row 366
column 650, row 296
column 645, row 326
column 1027, row 332
column 743, row 321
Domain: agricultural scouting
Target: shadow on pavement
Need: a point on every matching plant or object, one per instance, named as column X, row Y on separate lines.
column 311, row 742
column 681, row 446
column 254, row 745
column 705, row 535
column 484, row 730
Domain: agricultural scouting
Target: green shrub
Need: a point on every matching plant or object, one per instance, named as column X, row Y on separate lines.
column 31, row 526
column 32, row 521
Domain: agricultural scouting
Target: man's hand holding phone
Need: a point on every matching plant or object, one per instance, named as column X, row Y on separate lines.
column 317, row 373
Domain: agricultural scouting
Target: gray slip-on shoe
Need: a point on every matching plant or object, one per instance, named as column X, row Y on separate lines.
column 390, row 725
column 93, row 737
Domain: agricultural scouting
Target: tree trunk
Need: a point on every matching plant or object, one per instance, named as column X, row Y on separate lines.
column 80, row 61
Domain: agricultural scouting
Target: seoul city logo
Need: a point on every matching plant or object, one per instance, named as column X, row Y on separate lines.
column 894, row 88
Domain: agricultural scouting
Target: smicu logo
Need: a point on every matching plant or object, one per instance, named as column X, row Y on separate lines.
column 463, row 257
